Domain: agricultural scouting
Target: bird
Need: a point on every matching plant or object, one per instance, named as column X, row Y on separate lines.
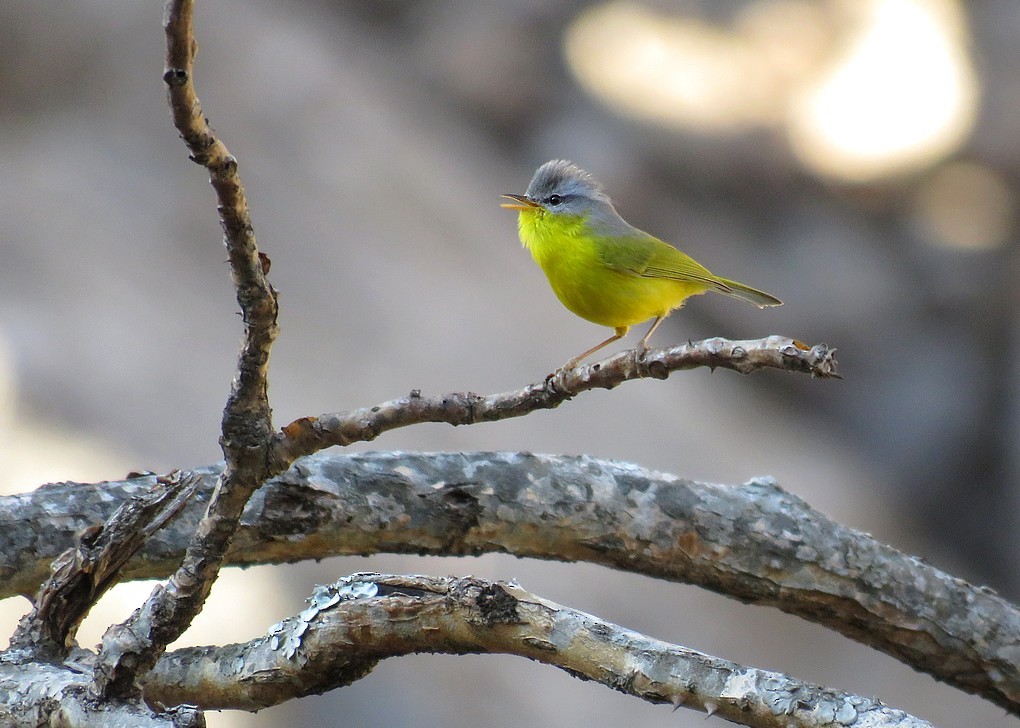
column 601, row 267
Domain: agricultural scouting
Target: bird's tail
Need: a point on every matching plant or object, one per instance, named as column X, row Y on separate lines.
column 745, row 293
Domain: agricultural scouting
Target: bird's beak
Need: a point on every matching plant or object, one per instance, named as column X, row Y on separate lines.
column 520, row 202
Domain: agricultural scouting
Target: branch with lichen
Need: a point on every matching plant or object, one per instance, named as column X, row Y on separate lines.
column 351, row 625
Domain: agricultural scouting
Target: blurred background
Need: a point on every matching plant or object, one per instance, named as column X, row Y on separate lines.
column 857, row 158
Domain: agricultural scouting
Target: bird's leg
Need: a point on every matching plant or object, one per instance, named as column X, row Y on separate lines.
column 621, row 331
column 643, row 346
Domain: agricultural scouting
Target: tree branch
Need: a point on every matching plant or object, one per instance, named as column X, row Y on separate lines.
column 131, row 648
column 752, row 542
column 352, row 624
column 311, row 434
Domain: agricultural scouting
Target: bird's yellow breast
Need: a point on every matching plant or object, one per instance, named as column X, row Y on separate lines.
column 573, row 261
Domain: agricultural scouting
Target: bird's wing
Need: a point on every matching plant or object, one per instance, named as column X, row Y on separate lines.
column 641, row 254
column 633, row 252
column 668, row 262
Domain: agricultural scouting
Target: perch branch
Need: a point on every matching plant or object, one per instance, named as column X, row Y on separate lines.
column 360, row 620
column 131, row 648
column 311, row 434
column 753, row 542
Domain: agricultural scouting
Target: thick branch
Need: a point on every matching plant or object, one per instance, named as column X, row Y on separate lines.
column 753, row 542
column 311, row 434
column 133, row 647
column 364, row 618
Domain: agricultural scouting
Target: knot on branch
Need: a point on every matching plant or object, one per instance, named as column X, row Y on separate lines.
column 496, row 605
column 175, row 77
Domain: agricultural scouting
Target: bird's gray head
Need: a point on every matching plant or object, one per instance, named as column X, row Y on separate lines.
column 561, row 187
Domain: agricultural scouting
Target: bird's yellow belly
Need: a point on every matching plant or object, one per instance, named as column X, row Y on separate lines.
column 610, row 298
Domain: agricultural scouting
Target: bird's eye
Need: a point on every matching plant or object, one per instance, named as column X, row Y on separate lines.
column 554, row 200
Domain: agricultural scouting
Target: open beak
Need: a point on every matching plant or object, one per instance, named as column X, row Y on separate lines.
column 520, row 202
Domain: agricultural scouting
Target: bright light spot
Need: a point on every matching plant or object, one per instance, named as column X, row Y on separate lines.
column 862, row 88
column 966, row 206
column 901, row 96
column 676, row 72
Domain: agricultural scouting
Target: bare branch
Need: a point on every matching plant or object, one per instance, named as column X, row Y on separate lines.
column 361, row 619
column 132, row 648
column 753, row 542
column 311, row 434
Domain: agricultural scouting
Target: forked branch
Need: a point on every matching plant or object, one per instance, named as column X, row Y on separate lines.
column 86, row 571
